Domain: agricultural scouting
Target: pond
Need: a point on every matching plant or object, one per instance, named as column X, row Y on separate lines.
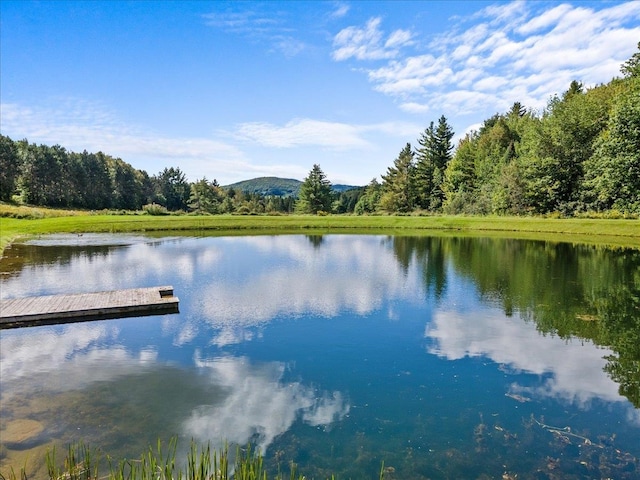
column 437, row 357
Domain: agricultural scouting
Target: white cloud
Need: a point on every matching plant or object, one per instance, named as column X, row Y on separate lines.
column 546, row 19
column 289, row 46
column 340, row 11
column 308, row 132
column 245, row 21
column 367, row 43
column 79, row 126
column 414, row 107
column 399, row 38
column 270, row 28
column 517, row 51
column 501, row 12
column 303, row 132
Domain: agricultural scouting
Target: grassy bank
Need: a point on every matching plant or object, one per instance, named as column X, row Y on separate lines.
column 624, row 232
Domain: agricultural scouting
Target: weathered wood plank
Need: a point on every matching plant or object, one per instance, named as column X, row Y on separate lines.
column 51, row 309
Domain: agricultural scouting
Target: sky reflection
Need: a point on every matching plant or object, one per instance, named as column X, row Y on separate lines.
column 257, row 404
column 325, row 339
column 569, row 371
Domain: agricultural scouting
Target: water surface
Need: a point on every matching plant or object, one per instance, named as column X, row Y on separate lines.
column 441, row 357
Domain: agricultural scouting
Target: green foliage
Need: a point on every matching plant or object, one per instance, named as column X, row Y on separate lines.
column 631, row 68
column 398, row 194
column 612, row 174
column 432, row 158
column 368, row 202
column 206, row 197
column 268, row 186
column 9, row 168
column 315, row 193
column 202, row 463
column 154, row 209
column 580, row 154
column 173, row 189
column 572, row 291
column 347, row 200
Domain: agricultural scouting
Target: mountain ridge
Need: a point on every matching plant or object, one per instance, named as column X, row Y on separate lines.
column 277, row 186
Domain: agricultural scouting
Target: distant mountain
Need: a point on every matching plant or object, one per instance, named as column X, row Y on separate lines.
column 338, row 187
column 275, row 186
column 281, row 187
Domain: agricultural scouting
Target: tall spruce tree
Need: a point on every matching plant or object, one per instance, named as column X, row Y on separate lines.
column 315, row 193
column 432, row 158
column 425, row 155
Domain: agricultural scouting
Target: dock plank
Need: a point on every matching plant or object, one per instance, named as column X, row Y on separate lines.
column 50, row 309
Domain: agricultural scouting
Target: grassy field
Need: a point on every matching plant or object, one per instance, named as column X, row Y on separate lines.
column 620, row 232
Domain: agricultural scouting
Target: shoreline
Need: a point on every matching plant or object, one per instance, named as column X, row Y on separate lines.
column 618, row 232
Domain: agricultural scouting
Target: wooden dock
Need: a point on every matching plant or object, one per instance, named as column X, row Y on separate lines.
column 52, row 309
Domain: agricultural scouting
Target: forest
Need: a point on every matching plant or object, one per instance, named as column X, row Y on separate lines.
column 579, row 156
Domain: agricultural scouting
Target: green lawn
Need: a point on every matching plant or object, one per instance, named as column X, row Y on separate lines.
column 621, row 232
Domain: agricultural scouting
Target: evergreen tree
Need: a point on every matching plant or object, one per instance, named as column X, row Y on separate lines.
column 398, row 184
column 432, row 158
column 425, row 164
column 315, row 193
column 9, row 167
column 127, row 186
column 173, row 189
column 517, row 110
column 205, row 196
column 459, row 177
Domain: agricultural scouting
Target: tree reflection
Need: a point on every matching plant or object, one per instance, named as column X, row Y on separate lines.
column 315, row 240
column 568, row 290
column 430, row 254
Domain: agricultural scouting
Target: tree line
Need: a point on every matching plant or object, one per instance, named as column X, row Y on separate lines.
column 580, row 154
column 51, row 176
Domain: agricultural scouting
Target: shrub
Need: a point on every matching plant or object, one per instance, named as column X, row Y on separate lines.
column 155, row 209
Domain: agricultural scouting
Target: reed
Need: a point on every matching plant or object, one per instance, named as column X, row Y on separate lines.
column 158, row 463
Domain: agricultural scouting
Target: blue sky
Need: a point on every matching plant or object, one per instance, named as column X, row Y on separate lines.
column 236, row 90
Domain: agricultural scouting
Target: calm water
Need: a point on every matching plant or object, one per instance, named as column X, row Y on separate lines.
column 442, row 357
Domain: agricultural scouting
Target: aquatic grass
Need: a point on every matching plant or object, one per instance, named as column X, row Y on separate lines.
column 202, row 463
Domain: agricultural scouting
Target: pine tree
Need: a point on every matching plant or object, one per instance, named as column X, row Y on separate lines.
column 425, row 155
column 432, row 158
column 315, row 193
column 398, row 184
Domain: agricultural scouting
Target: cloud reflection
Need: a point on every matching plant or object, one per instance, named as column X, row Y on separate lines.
column 130, row 262
column 573, row 370
column 234, row 284
column 258, row 406
column 68, row 359
column 346, row 274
